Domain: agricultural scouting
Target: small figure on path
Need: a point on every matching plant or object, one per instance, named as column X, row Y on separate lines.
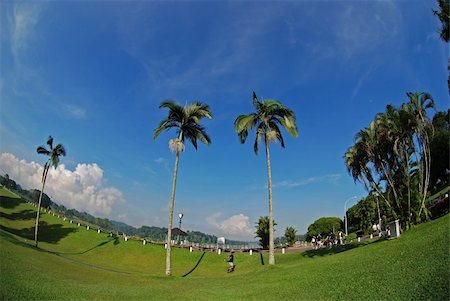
column 313, row 241
column 230, row 261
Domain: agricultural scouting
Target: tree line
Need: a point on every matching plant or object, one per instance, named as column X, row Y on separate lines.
column 402, row 156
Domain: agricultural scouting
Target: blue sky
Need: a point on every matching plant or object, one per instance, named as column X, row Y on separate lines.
column 92, row 75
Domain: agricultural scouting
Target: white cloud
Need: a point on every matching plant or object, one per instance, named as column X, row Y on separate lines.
column 75, row 111
column 333, row 178
column 364, row 28
column 82, row 189
column 235, row 227
column 160, row 160
column 24, row 20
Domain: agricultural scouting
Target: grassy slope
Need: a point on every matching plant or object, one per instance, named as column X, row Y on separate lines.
column 84, row 265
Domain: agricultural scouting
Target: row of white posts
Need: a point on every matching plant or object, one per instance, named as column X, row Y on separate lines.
column 144, row 242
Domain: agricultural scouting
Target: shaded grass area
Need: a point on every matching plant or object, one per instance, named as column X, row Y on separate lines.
column 85, row 265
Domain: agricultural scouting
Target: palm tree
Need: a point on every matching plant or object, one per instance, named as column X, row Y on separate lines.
column 53, row 160
column 269, row 116
column 418, row 105
column 186, row 122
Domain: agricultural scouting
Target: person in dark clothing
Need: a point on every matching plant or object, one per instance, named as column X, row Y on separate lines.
column 230, row 261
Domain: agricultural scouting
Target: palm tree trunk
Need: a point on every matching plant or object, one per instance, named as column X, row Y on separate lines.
column 269, row 186
column 44, row 178
column 171, row 204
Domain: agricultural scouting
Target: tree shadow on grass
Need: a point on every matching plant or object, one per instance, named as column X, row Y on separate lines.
column 324, row 251
column 49, row 233
column 15, row 240
column 26, row 214
column 198, row 262
column 86, row 251
column 10, row 203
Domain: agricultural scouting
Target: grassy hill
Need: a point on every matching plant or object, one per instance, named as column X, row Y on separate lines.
column 78, row 264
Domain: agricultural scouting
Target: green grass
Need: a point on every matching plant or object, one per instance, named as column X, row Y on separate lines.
column 76, row 264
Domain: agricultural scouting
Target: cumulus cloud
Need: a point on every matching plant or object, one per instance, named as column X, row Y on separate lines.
column 236, row 226
column 82, row 189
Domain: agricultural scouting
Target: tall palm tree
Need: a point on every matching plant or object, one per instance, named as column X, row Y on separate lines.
column 418, row 105
column 269, row 116
column 185, row 120
column 53, row 153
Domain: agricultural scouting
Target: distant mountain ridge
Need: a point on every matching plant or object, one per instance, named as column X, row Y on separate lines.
column 149, row 232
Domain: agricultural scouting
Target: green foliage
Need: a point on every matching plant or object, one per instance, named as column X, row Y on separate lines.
column 186, row 121
column 324, row 226
column 392, row 157
column 365, row 213
column 444, row 16
column 262, row 231
column 440, row 148
column 267, row 119
column 290, row 234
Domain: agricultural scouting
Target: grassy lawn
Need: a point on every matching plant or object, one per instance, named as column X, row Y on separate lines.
column 76, row 264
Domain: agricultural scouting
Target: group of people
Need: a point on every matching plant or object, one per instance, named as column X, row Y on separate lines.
column 329, row 241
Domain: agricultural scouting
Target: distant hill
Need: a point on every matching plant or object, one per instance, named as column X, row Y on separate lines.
column 148, row 232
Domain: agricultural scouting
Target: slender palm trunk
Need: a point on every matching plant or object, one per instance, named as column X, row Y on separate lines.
column 44, row 178
column 171, row 204
column 427, row 172
column 269, row 186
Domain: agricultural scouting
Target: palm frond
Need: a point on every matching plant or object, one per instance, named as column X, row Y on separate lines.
column 245, row 122
column 186, row 122
column 42, row 150
column 197, row 111
column 60, row 150
column 50, row 142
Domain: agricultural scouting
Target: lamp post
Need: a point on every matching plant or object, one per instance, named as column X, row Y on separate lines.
column 180, row 215
column 345, row 211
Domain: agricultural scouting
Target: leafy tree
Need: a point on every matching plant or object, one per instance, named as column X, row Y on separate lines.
column 440, row 148
column 324, row 226
column 262, row 231
column 185, row 120
column 394, row 153
column 290, row 235
column 365, row 213
column 7, row 182
column 53, row 153
column 444, row 16
column 267, row 119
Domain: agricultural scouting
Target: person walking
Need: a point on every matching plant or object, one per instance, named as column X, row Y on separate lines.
column 230, row 261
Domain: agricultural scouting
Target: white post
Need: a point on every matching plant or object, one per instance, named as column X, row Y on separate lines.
column 283, row 250
column 359, row 239
column 371, row 236
column 126, row 238
column 78, row 224
column 64, row 218
column 144, row 242
column 165, row 246
column 98, row 231
column 87, row 227
column 190, row 249
column 251, row 251
column 219, row 251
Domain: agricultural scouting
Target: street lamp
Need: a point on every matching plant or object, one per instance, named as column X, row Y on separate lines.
column 345, row 211
column 180, row 216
